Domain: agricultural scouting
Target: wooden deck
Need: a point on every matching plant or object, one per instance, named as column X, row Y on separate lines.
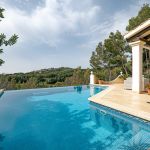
column 125, row 101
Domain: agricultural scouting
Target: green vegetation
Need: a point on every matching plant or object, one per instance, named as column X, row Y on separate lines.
column 45, row 78
column 142, row 16
column 3, row 40
column 114, row 54
column 110, row 57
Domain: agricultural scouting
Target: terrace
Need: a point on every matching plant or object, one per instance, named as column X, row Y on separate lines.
column 134, row 102
column 124, row 100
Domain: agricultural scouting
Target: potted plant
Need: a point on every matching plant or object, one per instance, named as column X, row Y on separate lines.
column 148, row 88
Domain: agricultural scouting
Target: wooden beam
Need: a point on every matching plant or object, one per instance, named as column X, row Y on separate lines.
column 139, row 35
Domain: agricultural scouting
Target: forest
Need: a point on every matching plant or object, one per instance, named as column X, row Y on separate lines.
column 51, row 77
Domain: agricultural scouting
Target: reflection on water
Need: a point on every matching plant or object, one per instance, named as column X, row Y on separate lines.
column 1, row 140
column 78, row 89
column 126, row 133
column 61, row 119
column 93, row 89
column 96, row 89
column 1, row 93
column 107, row 121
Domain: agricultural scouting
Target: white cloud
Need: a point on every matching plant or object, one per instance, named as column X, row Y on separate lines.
column 56, row 31
column 49, row 21
column 46, row 25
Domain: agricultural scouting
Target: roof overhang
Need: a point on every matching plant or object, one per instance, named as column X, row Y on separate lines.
column 142, row 32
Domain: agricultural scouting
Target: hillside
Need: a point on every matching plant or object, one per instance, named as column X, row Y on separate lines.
column 45, row 78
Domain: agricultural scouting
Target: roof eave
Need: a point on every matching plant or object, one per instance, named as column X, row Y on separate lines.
column 138, row 29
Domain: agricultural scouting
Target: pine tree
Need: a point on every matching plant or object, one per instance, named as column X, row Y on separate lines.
column 142, row 16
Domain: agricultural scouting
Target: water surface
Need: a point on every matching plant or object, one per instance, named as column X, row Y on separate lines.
column 63, row 119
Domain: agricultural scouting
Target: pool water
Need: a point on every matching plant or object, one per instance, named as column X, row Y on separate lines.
column 64, row 119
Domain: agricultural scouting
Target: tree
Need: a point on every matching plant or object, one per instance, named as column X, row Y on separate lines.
column 86, row 76
column 117, row 51
column 142, row 16
column 79, row 77
column 97, row 61
column 114, row 54
column 111, row 57
column 3, row 40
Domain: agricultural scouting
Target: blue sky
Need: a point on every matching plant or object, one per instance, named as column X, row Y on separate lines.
column 56, row 33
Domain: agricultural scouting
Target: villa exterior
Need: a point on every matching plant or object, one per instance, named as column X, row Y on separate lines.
column 127, row 101
column 139, row 38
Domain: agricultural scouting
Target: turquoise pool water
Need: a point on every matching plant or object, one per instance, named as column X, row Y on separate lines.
column 63, row 119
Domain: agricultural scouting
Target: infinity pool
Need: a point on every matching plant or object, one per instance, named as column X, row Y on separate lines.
column 64, row 119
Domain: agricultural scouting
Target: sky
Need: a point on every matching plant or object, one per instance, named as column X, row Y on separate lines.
column 60, row 33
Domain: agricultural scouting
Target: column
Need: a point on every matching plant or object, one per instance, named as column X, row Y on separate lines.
column 92, row 78
column 137, row 66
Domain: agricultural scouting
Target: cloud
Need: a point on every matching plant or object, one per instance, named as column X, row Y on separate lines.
column 45, row 29
column 57, row 32
column 49, row 22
